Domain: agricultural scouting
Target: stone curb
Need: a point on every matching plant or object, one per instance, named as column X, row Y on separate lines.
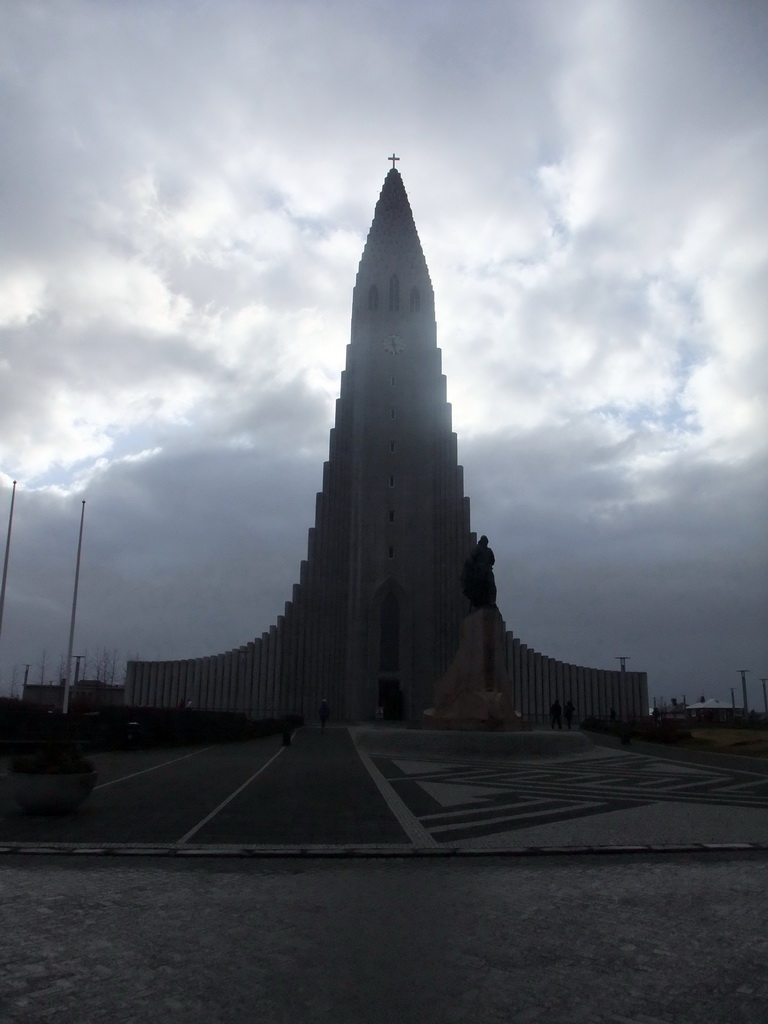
column 362, row 851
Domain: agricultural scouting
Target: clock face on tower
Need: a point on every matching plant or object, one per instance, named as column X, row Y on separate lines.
column 393, row 344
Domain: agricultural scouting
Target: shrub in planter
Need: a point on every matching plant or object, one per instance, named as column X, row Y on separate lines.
column 54, row 780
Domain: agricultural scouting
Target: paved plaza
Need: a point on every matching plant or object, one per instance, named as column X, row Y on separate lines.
column 321, row 792
column 319, row 883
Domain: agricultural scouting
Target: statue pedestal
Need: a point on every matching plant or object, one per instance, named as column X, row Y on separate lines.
column 475, row 693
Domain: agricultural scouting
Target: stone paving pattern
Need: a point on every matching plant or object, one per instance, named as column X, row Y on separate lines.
column 605, row 798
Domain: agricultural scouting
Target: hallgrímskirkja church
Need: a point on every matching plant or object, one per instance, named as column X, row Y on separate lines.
column 374, row 620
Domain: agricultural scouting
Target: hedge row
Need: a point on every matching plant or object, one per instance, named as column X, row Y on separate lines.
column 125, row 727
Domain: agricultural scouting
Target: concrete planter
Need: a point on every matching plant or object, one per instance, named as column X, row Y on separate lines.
column 49, row 793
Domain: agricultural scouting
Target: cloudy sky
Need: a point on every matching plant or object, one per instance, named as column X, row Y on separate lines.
column 185, row 190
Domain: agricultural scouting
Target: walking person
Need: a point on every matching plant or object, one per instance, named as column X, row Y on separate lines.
column 324, row 713
column 569, row 713
column 555, row 715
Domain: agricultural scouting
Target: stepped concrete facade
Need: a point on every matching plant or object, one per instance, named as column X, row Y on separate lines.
column 375, row 618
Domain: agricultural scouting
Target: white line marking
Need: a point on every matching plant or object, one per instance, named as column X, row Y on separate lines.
column 410, row 824
column 486, row 810
column 511, row 817
column 103, row 785
column 231, row 796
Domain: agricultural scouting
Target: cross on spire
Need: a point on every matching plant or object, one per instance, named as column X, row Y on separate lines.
column 393, row 158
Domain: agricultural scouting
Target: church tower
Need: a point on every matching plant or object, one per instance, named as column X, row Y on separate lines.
column 374, row 620
column 392, row 524
column 408, row 530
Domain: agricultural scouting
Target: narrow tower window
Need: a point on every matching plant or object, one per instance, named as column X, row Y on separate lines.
column 393, row 380
column 391, row 551
column 391, row 515
column 373, row 298
column 391, row 481
column 394, row 293
column 415, row 300
column 391, row 446
column 392, row 413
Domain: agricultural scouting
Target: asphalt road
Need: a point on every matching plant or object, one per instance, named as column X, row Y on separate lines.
column 317, row 791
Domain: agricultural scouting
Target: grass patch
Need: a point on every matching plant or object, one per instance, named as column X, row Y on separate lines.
column 751, row 742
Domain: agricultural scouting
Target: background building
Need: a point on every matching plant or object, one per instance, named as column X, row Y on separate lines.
column 92, row 693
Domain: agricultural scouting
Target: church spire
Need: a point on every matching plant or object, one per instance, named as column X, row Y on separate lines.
column 393, row 247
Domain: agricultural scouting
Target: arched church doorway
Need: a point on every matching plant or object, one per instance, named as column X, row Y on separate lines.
column 390, row 699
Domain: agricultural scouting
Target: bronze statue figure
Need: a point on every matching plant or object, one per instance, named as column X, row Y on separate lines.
column 477, row 582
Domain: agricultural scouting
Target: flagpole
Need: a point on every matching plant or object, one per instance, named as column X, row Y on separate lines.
column 65, row 703
column 7, row 555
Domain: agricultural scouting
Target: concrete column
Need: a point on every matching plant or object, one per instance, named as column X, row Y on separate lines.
column 135, row 697
column 547, row 683
column 213, row 666
column 194, row 694
column 569, row 691
column 618, row 682
column 271, row 657
column 288, row 681
column 595, row 688
column 263, row 649
column 278, row 672
column 152, row 685
column 185, row 669
column 248, row 679
column 206, row 695
column 130, row 674
column 262, row 652
column 522, row 659
column 540, row 695
column 241, row 686
column 301, row 660
column 174, row 691
column 220, row 695
column 560, row 683
column 580, row 698
column 531, row 684
column 161, row 700
column 228, row 688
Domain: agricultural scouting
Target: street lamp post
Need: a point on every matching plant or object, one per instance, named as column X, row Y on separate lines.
column 65, row 702
column 765, row 698
column 7, row 555
column 743, row 672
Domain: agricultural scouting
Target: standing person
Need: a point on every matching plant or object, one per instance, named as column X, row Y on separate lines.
column 613, row 715
column 569, row 713
column 555, row 713
column 324, row 712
